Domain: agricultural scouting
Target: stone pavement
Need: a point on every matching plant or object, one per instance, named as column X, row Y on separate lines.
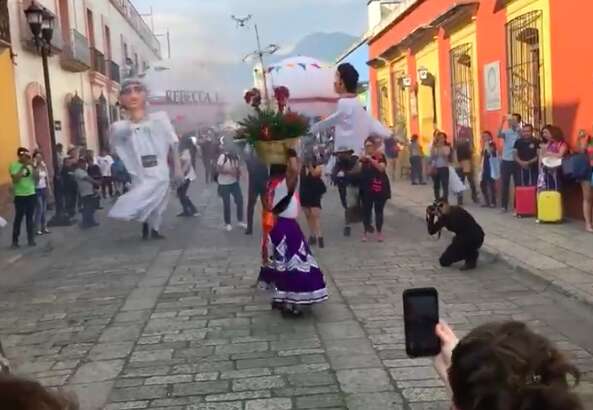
column 178, row 324
column 559, row 254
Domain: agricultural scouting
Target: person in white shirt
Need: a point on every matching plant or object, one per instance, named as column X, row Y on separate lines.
column 229, row 174
column 42, row 190
column 189, row 175
column 353, row 124
column 105, row 161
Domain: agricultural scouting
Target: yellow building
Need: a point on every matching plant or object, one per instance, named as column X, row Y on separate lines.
column 9, row 122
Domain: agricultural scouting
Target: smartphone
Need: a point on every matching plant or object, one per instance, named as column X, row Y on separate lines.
column 421, row 315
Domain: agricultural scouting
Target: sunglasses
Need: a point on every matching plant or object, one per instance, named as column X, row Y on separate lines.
column 133, row 88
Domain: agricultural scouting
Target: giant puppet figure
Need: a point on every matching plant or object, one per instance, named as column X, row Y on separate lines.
column 145, row 143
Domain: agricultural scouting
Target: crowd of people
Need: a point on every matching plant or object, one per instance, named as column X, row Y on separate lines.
column 542, row 161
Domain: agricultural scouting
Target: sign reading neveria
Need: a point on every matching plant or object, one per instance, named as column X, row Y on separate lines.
column 192, row 97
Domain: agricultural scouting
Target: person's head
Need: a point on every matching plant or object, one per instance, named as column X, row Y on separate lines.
column 21, row 394
column 414, row 138
column 346, row 80
column 133, row 95
column 440, row 138
column 546, row 133
column 23, row 155
column 487, row 137
column 370, row 146
column 442, row 206
column 557, row 134
column 38, row 156
column 104, row 152
column 507, row 366
column 59, row 147
column 82, row 163
column 89, row 155
column 514, row 120
column 527, row 131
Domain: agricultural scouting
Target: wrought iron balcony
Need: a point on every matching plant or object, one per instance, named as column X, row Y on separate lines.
column 76, row 56
column 114, row 71
column 98, row 61
column 4, row 25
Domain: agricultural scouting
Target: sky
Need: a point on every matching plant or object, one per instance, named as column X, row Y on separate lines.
column 203, row 29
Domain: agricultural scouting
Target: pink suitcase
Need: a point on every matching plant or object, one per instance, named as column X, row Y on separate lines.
column 526, row 200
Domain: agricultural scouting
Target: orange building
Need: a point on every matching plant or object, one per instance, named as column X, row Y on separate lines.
column 450, row 64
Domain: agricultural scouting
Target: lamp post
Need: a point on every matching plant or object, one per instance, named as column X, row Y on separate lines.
column 42, row 22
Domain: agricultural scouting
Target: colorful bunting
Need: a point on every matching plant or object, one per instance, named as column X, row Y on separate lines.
column 304, row 66
column 277, row 68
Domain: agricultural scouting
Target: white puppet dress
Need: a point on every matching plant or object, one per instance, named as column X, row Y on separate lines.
column 144, row 149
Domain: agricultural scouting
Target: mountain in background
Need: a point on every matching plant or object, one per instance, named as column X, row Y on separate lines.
column 322, row 46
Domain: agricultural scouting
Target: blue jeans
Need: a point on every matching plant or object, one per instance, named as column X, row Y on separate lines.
column 225, row 192
column 41, row 209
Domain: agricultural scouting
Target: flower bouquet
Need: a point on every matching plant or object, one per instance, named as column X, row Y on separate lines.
column 271, row 131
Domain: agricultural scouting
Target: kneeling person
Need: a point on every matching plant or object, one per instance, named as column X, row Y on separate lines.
column 469, row 235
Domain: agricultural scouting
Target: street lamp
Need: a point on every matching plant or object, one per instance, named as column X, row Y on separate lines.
column 41, row 22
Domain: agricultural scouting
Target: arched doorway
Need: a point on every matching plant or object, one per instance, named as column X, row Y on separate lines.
column 41, row 128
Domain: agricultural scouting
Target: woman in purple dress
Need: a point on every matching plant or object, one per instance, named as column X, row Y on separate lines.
column 289, row 270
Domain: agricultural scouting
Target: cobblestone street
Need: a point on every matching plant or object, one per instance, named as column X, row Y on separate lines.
column 178, row 324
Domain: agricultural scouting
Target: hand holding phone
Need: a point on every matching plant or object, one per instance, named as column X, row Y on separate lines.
column 421, row 316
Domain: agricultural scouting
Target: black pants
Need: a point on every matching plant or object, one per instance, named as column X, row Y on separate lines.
column 89, row 206
column 186, row 204
column 24, row 206
column 508, row 169
column 370, row 204
column 225, row 192
column 463, row 248
column 255, row 192
column 469, row 176
column 441, row 179
column 488, row 186
column 70, row 199
column 107, row 186
column 207, row 169
column 416, row 169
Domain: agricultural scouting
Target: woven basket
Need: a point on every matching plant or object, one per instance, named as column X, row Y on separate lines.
column 274, row 152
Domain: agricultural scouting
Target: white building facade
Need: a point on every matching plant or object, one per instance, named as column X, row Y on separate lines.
column 96, row 44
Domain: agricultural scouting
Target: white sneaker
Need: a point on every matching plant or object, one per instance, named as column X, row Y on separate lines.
column 228, row 228
column 242, row 225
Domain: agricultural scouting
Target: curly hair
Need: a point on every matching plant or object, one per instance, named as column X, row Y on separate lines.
column 506, row 366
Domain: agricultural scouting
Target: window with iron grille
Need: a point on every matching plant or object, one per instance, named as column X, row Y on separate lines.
column 398, row 101
column 383, row 101
column 462, row 89
column 526, row 67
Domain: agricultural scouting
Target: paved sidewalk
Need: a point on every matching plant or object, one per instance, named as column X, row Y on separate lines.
column 560, row 254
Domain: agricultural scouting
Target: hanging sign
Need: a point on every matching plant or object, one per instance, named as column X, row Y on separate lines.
column 492, row 86
column 186, row 97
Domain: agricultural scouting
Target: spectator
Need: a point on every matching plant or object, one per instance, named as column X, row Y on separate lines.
column 416, row 161
column 440, row 155
column 525, row 152
column 312, row 189
column 505, row 366
column 585, row 146
column 89, row 198
column 42, row 190
column 189, row 175
column 95, row 173
column 229, row 174
column 464, row 150
column 392, row 149
column 375, row 188
column 258, row 178
column 490, row 170
column 69, row 183
column 120, row 175
column 508, row 166
column 23, row 176
column 105, row 161
column 21, row 394
column 552, row 154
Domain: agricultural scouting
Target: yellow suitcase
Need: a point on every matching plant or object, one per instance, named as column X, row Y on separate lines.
column 549, row 206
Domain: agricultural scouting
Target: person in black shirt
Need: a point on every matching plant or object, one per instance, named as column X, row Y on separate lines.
column 526, row 155
column 345, row 175
column 375, row 188
column 469, row 235
column 258, row 178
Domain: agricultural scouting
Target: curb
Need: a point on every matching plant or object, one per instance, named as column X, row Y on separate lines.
column 560, row 287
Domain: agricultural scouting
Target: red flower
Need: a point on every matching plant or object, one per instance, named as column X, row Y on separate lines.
column 265, row 133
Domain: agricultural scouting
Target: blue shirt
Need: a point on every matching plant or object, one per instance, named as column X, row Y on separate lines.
column 510, row 136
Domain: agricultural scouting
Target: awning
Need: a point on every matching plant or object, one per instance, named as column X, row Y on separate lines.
column 458, row 11
column 415, row 34
column 376, row 63
column 391, row 52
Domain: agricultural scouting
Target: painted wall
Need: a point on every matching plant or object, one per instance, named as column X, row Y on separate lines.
column 64, row 84
column 9, row 127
